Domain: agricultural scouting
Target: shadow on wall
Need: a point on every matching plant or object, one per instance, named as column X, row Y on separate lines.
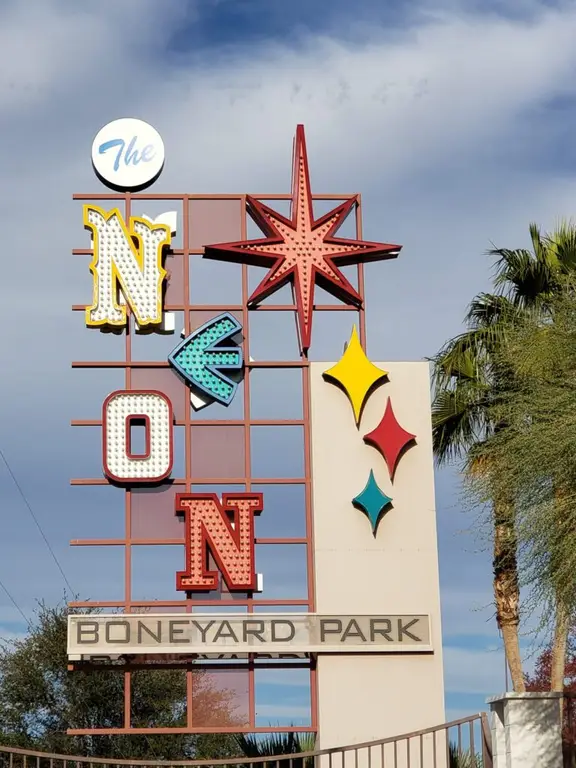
column 529, row 724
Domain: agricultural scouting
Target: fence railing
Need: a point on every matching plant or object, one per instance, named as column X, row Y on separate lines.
column 463, row 743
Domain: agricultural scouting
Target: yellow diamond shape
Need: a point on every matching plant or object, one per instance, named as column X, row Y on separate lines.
column 355, row 374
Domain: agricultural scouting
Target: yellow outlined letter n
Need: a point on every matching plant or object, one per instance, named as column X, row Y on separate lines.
column 126, row 268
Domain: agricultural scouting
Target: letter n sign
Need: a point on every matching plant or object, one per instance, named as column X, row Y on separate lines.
column 128, row 260
column 224, row 530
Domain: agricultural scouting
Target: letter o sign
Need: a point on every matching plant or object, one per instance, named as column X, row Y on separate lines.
column 122, row 411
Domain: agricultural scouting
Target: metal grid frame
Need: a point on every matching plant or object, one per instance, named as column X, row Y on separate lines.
column 189, row 604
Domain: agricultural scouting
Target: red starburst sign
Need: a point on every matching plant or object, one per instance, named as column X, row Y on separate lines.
column 301, row 249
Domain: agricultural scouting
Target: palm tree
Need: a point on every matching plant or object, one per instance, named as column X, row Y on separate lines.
column 277, row 744
column 535, row 456
column 465, row 392
column 467, row 383
column 467, row 759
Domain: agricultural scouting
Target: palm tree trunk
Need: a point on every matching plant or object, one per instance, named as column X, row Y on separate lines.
column 558, row 659
column 507, row 590
column 558, row 662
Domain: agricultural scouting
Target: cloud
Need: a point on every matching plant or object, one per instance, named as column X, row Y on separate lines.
column 453, row 713
column 384, row 109
column 275, row 712
column 438, row 126
column 298, row 678
column 385, row 117
column 466, row 612
column 480, row 672
column 8, row 635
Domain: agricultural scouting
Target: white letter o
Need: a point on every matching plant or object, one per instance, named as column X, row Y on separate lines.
column 119, row 410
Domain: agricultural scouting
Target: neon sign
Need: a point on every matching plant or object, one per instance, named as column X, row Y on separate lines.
column 128, row 154
column 226, row 531
column 127, row 261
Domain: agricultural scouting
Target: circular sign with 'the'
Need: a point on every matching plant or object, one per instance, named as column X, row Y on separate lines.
column 128, row 154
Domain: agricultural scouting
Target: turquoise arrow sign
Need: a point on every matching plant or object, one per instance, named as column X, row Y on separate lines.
column 201, row 360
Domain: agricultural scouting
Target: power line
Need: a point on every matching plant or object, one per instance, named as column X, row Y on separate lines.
column 14, row 603
column 27, row 503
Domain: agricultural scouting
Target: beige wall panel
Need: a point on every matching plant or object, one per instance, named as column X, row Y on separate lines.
column 395, row 572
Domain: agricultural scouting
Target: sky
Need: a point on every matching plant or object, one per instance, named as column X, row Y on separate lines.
column 451, row 118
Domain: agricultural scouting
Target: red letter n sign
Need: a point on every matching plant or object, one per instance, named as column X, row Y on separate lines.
column 225, row 531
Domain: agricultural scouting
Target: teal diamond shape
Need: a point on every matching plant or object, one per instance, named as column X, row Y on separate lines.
column 372, row 501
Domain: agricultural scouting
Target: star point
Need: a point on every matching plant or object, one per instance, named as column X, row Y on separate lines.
column 301, row 249
column 355, row 374
column 372, row 501
column 390, row 439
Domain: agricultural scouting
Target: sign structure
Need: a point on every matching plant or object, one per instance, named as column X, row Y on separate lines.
column 281, row 633
column 278, row 512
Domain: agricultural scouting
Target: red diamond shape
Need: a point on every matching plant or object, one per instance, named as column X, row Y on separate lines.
column 389, row 438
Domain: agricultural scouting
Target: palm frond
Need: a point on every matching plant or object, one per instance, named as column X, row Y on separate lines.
column 458, row 758
column 271, row 744
column 523, row 277
column 457, row 422
column 487, row 310
column 464, row 357
column 561, row 247
column 537, row 242
column 531, row 278
column 471, row 379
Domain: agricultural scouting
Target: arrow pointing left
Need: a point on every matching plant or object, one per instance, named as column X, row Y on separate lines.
column 201, row 358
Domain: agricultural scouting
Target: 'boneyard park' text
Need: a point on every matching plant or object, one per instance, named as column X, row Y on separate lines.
column 304, row 633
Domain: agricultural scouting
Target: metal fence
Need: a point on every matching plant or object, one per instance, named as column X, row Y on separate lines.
column 461, row 743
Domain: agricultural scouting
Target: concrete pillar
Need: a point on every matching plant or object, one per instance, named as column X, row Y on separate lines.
column 526, row 730
column 363, row 697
